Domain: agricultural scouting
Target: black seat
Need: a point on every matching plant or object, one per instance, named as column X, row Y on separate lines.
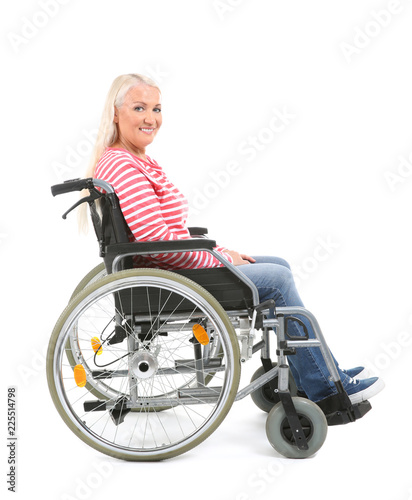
column 226, row 287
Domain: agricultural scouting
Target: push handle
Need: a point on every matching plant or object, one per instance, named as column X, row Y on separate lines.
column 90, row 184
column 72, row 185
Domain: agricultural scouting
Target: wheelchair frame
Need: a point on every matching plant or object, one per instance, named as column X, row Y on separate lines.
column 293, row 419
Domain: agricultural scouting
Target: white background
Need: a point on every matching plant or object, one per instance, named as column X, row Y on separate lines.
column 331, row 179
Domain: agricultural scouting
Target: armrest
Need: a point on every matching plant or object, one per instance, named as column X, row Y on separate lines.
column 197, row 231
column 151, row 247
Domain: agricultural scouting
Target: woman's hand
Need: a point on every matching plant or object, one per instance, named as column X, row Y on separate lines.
column 240, row 258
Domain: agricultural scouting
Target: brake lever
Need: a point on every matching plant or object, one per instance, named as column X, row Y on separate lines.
column 94, row 195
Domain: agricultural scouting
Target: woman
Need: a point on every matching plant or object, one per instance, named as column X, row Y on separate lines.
column 155, row 210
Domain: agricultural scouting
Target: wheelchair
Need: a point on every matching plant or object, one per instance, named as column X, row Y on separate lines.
column 144, row 364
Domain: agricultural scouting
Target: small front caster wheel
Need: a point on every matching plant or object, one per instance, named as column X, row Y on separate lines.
column 314, row 425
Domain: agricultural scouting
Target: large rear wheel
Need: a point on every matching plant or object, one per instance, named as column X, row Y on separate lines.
column 149, row 396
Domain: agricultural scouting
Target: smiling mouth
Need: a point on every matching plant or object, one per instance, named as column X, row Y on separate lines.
column 147, row 130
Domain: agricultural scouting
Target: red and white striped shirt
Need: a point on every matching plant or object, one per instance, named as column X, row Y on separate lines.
column 153, row 207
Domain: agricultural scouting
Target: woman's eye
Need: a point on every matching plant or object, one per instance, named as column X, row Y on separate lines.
column 157, row 110
column 138, row 108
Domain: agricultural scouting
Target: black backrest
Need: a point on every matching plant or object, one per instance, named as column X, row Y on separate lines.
column 109, row 230
column 110, row 227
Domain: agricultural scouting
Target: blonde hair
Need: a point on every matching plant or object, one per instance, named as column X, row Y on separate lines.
column 107, row 134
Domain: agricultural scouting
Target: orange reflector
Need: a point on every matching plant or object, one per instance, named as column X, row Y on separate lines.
column 79, row 375
column 96, row 346
column 201, row 335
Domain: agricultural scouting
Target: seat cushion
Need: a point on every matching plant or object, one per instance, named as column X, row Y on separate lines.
column 226, row 287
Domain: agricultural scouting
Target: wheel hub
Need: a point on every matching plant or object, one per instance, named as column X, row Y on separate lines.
column 143, row 365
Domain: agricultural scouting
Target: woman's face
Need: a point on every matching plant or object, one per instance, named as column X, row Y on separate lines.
column 139, row 118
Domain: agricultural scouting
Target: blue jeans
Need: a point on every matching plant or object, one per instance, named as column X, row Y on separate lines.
column 274, row 280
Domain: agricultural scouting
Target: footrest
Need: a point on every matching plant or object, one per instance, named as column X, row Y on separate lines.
column 362, row 408
column 346, row 416
column 339, row 411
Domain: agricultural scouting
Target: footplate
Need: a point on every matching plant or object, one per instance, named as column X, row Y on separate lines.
column 339, row 411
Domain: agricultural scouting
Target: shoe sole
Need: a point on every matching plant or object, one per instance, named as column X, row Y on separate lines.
column 367, row 393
